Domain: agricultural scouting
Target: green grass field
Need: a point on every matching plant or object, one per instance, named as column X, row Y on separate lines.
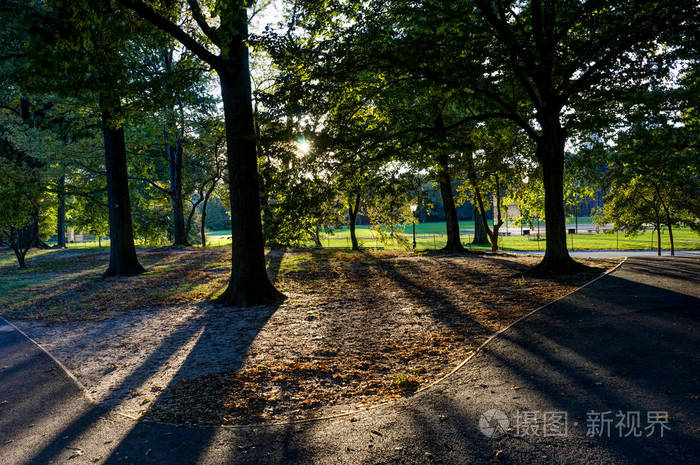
column 432, row 236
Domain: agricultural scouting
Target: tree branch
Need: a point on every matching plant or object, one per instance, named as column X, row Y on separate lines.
column 152, row 183
column 13, row 110
column 210, row 32
column 155, row 18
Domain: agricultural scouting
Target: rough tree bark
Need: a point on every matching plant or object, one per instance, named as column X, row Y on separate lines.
column 550, row 153
column 454, row 242
column 352, row 213
column 249, row 283
column 122, row 253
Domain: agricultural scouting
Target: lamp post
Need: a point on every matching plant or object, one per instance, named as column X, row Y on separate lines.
column 414, row 207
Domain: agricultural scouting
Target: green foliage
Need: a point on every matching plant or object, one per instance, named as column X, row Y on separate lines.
column 406, row 384
column 653, row 178
column 21, row 190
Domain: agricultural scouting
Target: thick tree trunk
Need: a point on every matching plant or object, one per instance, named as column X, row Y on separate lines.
column 249, row 284
column 122, row 253
column 61, row 215
column 550, row 153
column 480, row 237
column 670, row 238
column 353, row 219
column 454, row 242
column 175, row 168
column 658, row 240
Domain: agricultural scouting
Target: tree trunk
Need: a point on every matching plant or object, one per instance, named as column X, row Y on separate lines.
column 550, row 153
column 497, row 221
column 20, row 251
column 15, row 238
column 21, row 241
column 174, row 154
column 317, row 237
column 36, row 238
column 668, row 218
column 658, row 240
column 353, row 219
column 188, row 223
column 203, row 223
column 249, row 284
column 20, row 260
column 480, row 237
column 122, row 253
column 497, row 218
column 175, row 168
column 61, row 216
column 454, row 242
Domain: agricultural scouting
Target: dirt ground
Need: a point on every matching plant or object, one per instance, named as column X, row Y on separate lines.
column 357, row 329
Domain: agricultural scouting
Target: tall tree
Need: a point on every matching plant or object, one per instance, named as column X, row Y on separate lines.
column 249, row 283
column 551, row 67
column 565, row 56
column 74, row 48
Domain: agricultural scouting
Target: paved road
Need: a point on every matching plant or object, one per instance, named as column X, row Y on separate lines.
column 614, row 253
column 629, row 342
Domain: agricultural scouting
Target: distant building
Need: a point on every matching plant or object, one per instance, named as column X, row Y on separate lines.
column 73, row 236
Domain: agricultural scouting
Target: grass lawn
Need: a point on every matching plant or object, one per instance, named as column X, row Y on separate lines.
column 331, row 347
column 431, row 236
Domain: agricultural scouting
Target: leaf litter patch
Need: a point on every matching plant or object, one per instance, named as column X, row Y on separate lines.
column 357, row 329
column 362, row 329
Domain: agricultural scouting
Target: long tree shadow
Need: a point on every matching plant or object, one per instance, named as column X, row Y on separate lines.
column 580, row 355
column 614, row 345
column 198, row 334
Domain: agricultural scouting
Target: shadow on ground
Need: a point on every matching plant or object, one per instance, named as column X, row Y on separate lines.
column 628, row 342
